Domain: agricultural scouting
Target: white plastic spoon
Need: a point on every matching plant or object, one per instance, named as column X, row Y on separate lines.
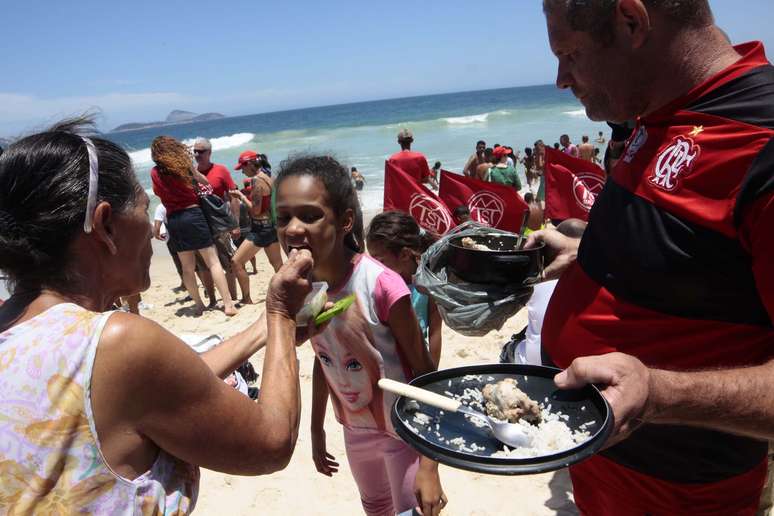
column 508, row 433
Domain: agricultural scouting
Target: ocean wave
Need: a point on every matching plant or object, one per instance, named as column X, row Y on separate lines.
column 464, row 120
column 143, row 156
column 576, row 112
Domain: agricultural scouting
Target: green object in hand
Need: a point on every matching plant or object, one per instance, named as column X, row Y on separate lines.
column 338, row 307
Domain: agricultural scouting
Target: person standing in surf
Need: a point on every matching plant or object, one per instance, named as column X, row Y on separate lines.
column 411, row 162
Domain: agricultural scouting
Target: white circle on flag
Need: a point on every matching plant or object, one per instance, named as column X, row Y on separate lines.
column 487, row 208
column 429, row 213
column 585, row 188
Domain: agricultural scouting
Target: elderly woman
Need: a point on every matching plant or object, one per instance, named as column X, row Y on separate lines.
column 106, row 412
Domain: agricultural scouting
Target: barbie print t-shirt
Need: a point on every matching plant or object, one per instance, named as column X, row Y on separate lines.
column 358, row 348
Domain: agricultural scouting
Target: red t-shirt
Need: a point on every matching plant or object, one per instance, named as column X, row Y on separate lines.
column 412, row 163
column 220, row 179
column 175, row 194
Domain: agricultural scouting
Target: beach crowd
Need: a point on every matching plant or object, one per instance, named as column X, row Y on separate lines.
column 664, row 299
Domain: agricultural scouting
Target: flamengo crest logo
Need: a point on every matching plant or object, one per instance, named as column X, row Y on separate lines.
column 585, row 188
column 487, row 208
column 429, row 213
column 675, row 161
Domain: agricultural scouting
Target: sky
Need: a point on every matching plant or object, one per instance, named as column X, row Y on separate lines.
column 136, row 61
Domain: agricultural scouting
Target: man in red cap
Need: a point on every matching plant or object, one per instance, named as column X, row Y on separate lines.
column 502, row 172
column 411, row 162
column 220, row 179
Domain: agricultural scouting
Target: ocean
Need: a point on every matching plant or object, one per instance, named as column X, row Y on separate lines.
column 446, row 128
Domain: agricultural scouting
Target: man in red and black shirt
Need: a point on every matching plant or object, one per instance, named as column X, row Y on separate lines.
column 670, row 301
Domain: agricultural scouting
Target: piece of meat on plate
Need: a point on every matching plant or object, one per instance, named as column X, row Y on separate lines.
column 505, row 401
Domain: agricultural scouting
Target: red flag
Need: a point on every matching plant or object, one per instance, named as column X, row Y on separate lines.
column 403, row 192
column 572, row 185
column 496, row 205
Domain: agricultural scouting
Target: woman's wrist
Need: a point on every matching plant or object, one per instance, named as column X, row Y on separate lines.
column 280, row 323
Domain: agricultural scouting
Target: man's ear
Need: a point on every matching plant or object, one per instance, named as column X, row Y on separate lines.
column 104, row 226
column 633, row 16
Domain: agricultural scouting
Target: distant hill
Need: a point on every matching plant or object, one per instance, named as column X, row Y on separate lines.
column 175, row 117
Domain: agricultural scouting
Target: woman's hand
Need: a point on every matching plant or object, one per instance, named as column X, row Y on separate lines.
column 236, row 194
column 290, row 285
column 428, row 490
column 323, row 461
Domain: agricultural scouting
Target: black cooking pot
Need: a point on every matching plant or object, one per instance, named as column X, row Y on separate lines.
column 502, row 264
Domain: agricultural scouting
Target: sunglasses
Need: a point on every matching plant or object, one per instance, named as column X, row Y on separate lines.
column 200, row 151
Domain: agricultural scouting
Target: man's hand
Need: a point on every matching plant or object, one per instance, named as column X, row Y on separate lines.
column 560, row 251
column 628, row 385
column 427, row 488
column 290, row 285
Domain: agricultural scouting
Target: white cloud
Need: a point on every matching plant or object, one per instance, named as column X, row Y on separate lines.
column 20, row 112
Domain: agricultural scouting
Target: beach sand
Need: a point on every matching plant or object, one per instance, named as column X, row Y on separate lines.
column 300, row 489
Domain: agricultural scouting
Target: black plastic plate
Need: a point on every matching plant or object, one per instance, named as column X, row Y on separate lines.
column 583, row 406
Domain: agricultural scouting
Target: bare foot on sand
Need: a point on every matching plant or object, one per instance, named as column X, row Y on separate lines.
column 230, row 310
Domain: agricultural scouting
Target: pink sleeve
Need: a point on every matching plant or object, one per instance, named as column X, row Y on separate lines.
column 390, row 287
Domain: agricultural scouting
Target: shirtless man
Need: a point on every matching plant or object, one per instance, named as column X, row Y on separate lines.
column 475, row 159
column 482, row 170
column 586, row 149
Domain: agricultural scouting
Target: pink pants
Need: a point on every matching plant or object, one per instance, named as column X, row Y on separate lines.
column 384, row 469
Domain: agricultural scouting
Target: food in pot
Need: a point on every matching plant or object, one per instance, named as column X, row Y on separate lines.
column 505, row 401
column 469, row 243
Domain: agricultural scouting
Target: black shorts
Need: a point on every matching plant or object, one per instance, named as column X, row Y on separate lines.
column 263, row 233
column 188, row 230
column 200, row 265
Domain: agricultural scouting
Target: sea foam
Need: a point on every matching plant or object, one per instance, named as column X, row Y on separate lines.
column 576, row 113
column 464, row 120
column 143, row 156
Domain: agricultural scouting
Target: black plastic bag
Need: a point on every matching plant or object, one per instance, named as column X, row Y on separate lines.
column 467, row 308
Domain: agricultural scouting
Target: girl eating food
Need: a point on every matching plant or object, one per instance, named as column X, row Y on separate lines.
column 377, row 337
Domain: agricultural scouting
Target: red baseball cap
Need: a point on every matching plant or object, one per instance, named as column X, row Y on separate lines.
column 501, row 151
column 246, row 156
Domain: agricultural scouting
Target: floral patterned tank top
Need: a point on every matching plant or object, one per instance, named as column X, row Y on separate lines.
column 50, row 458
